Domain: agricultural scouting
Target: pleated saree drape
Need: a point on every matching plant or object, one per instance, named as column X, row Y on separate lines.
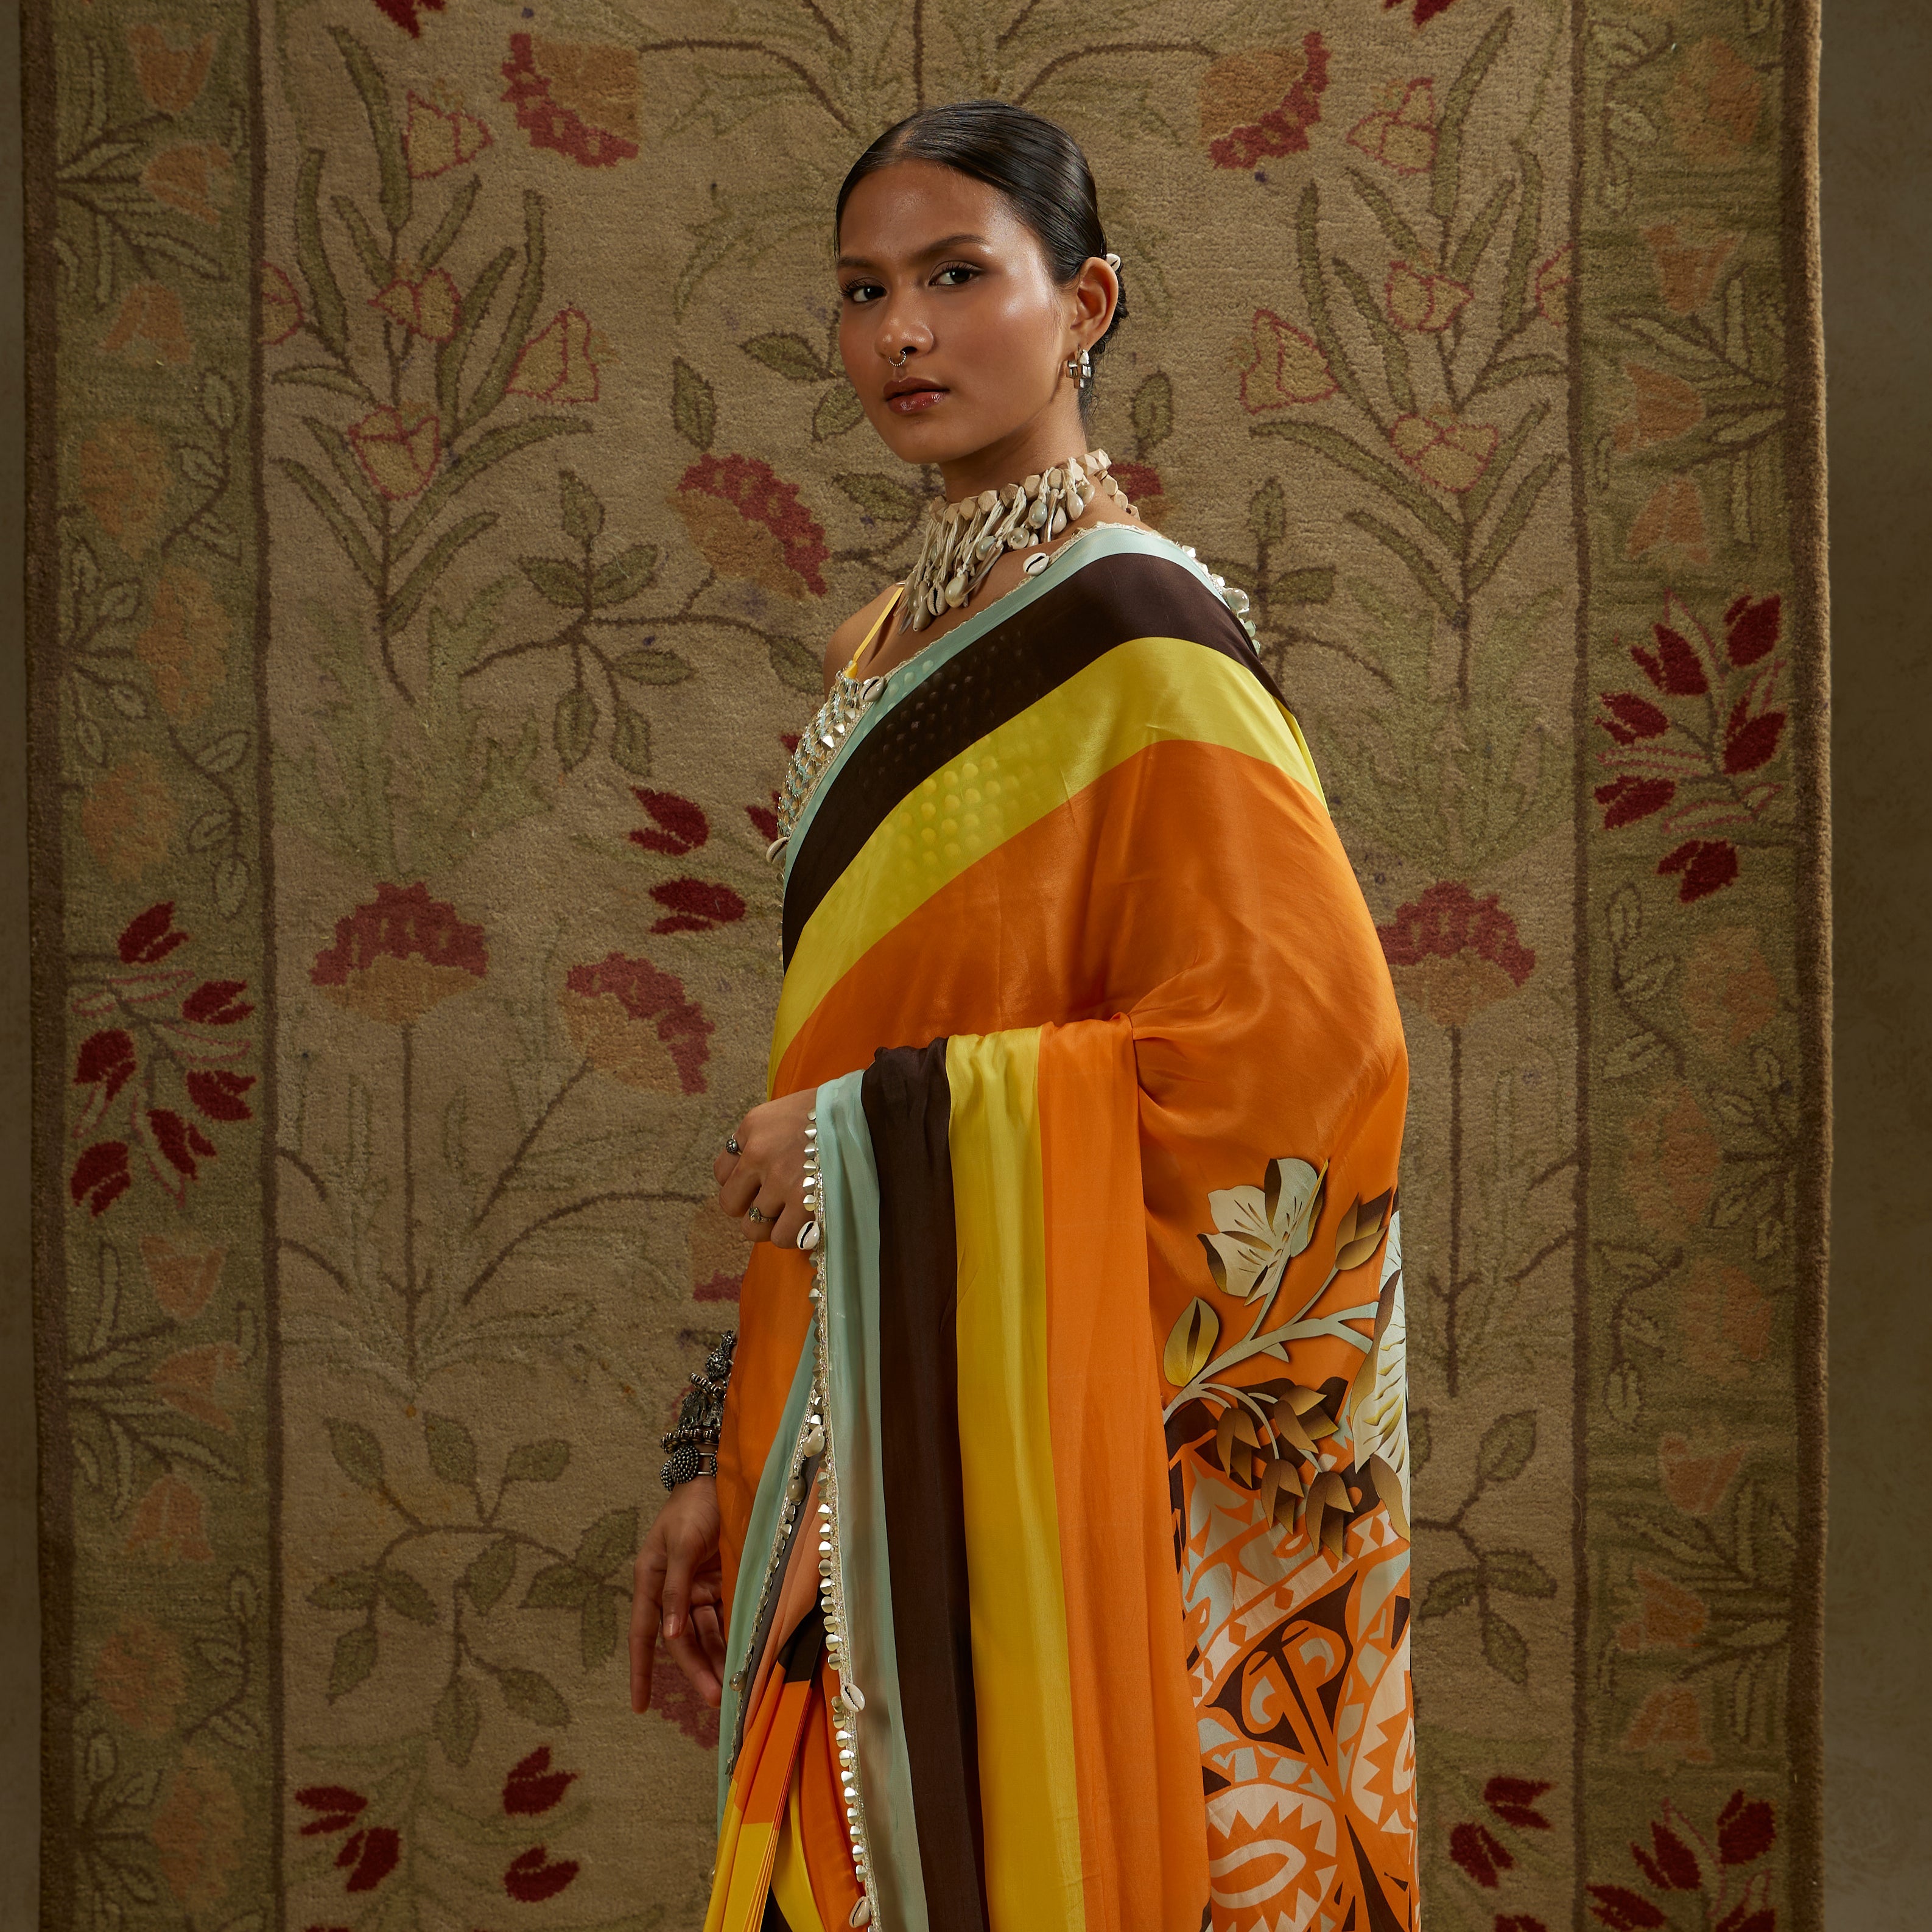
column 1110, row 1094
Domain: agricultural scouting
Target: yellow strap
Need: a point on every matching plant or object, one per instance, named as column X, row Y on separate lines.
column 878, row 625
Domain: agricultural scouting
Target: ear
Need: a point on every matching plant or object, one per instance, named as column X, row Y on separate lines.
column 1094, row 296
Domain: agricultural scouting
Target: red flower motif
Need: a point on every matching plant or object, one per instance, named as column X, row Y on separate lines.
column 401, row 955
column 681, row 826
column 1513, row 1801
column 749, row 523
column 1401, row 132
column 339, row 1808
column 1262, row 102
column 695, row 905
column 1140, row 480
column 149, row 937
column 374, row 1854
column 632, row 1022
column 1425, row 10
column 531, row 1877
column 555, row 366
column 405, row 14
column 531, row 1787
column 1746, row 1830
column 1751, row 629
column 218, row 1093
column 105, row 1060
column 1623, row 1910
column 281, row 307
column 1479, row 1853
column 398, row 448
column 1448, row 450
column 213, row 1002
column 585, row 106
column 1420, row 300
column 1287, row 367
column 100, row 1176
column 1708, row 866
column 431, row 308
column 439, row 138
column 1453, row 953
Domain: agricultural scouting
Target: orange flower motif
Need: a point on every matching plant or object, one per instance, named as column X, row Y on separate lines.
column 196, row 1830
column 140, row 1677
column 1663, row 407
column 1727, row 992
column 577, row 100
column 186, row 1381
column 148, row 327
column 1401, row 132
column 1673, row 518
column 195, row 178
column 1714, row 103
column 632, row 1022
column 1285, row 366
column 1687, row 261
column 1669, row 1616
column 396, row 958
column 128, row 817
column 182, row 1278
column 556, row 366
column 1671, row 1161
column 1449, row 451
column 399, row 448
column 1695, row 1483
column 438, row 139
column 185, row 645
column 123, row 480
column 1419, row 299
column 1552, row 287
column 281, row 307
column 430, row 307
column 1670, row 1727
column 171, row 77
column 1726, row 1320
column 1262, row 102
column 169, row 1524
column 747, row 522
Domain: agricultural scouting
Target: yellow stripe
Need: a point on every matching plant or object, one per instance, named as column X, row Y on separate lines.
column 1028, row 1786
column 791, row 1878
column 1139, row 693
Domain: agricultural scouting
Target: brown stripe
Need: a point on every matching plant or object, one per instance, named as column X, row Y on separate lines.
column 908, row 1107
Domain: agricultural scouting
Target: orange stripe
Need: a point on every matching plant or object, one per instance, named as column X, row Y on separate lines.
column 1144, row 1841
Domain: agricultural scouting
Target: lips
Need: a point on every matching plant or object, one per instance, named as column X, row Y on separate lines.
column 907, row 402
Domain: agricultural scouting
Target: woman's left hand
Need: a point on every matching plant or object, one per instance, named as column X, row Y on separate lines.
column 769, row 1171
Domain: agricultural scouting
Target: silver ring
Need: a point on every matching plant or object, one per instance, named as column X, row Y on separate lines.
column 898, row 361
column 731, row 1146
column 751, row 1214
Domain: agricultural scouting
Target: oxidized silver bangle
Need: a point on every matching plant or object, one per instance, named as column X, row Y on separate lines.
column 693, row 1438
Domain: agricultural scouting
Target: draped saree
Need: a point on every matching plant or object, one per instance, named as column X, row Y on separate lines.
column 1088, row 1414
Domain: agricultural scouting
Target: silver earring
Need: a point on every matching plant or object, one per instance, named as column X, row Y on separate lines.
column 1081, row 370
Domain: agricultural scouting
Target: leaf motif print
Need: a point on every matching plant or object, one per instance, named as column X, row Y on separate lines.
column 1259, row 1231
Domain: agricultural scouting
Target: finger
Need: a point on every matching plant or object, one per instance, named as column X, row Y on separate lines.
column 770, row 1207
column 740, row 1188
column 721, row 1167
column 689, row 1654
column 710, row 1628
column 649, row 1583
column 790, row 1223
column 680, row 1559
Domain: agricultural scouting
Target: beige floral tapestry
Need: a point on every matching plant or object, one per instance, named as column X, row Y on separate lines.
column 445, row 483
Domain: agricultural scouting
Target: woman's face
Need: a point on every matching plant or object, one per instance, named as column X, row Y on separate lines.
column 938, row 268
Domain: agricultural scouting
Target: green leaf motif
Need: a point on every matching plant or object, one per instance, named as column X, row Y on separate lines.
column 523, row 311
column 1419, row 1442
column 794, row 665
column 1445, row 178
column 573, row 726
column 556, row 578
column 1503, row 1649
column 1507, row 1444
column 694, row 410
column 1314, row 585
column 1268, row 513
column 452, row 1450
column 375, row 264
column 1449, row 1591
column 597, row 1628
column 491, row 1573
column 558, row 1586
column 839, row 410
column 353, row 1590
column 1152, row 413
column 610, row 1540
column 325, row 307
column 406, row 1595
column 1517, row 1572
column 457, row 1719
column 631, row 741
column 583, row 508
column 537, row 1462
column 625, row 576
column 533, row 1695
column 403, row 605
column 374, row 90
column 355, row 1658
column 791, row 356
column 451, row 226
column 881, row 498
column 357, row 1452
column 647, row 665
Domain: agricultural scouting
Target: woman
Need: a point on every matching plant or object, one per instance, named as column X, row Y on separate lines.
column 1054, row 1570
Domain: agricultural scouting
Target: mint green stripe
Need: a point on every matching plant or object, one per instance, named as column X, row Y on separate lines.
column 1104, row 540
column 851, row 1196
column 759, row 1537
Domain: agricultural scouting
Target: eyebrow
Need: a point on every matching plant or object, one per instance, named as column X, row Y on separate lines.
column 931, row 249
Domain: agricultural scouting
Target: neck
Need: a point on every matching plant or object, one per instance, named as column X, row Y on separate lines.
column 1031, row 450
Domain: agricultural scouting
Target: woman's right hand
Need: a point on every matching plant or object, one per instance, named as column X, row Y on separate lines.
column 679, row 1594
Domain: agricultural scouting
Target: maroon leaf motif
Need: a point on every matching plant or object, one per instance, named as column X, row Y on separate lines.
column 337, row 1805
column 1623, row 1910
column 106, row 1059
column 374, row 1853
column 531, row 1787
column 531, row 1877
column 1628, row 800
column 1707, row 865
column 218, row 1095
column 1750, row 742
column 1477, row 1850
column 695, row 905
column 214, row 1003
column 1676, row 668
column 1751, row 629
column 1513, row 1801
column 1675, row 1867
column 100, row 1176
column 1632, row 717
column 1519, row 1921
column 180, row 1140
column 680, row 825
column 765, row 819
column 1742, row 1917
column 150, row 936
column 1746, row 1830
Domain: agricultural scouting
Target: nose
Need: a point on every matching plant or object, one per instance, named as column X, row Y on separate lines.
column 902, row 336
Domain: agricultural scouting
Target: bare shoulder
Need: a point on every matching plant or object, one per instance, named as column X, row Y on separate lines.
column 850, row 634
